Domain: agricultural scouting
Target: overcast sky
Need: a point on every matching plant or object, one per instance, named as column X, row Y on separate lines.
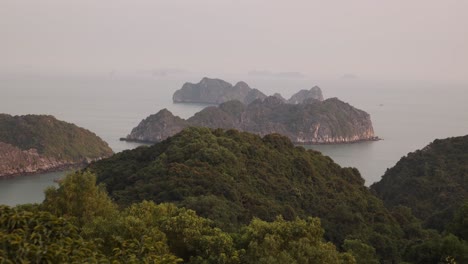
column 388, row 39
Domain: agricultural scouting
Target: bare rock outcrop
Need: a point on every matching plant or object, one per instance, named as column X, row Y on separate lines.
column 217, row 91
column 310, row 122
column 299, row 97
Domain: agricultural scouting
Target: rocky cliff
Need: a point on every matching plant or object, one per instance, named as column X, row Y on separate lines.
column 299, row 97
column 310, row 122
column 38, row 143
column 216, row 91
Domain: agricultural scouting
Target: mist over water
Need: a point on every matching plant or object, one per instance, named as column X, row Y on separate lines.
column 407, row 114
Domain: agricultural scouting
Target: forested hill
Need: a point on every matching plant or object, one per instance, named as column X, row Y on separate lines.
column 32, row 143
column 432, row 181
column 231, row 177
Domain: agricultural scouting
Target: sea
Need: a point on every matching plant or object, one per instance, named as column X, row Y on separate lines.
column 407, row 115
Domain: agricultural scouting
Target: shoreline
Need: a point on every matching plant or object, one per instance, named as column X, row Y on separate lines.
column 295, row 143
column 74, row 166
column 63, row 167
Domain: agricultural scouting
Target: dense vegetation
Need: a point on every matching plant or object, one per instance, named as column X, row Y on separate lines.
column 233, row 198
column 79, row 223
column 51, row 137
column 433, row 182
column 231, row 177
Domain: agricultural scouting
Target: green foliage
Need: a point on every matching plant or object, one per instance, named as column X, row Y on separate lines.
column 433, row 182
column 165, row 230
column 130, row 237
column 79, row 199
column 364, row 253
column 459, row 224
column 261, row 190
column 439, row 249
column 40, row 237
column 231, row 177
column 51, row 137
column 93, row 230
column 298, row 241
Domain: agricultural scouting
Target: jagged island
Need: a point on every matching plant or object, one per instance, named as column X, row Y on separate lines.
column 216, row 91
column 309, row 122
column 39, row 143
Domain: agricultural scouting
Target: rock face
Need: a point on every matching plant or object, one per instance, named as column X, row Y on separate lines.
column 311, row 122
column 299, row 97
column 38, row 143
column 164, row 121
column 216, row 91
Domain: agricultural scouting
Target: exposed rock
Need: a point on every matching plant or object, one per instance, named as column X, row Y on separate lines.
column 216, row 91
column 38, row 143
column 299, row 97
column 163, row 121
column 279, row 96
column 312, row 122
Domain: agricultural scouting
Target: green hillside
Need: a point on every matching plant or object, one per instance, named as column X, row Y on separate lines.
column 51, row 137
column 433, row 181
column 231, row 177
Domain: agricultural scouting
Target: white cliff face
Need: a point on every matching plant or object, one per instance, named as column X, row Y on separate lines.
column 315, row 138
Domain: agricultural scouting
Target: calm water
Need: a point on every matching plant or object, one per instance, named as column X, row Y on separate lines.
column 407, row 115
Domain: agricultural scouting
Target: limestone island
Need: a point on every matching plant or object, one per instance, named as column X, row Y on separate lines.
column 310, row 121
column 40, row 143
column 216, row 91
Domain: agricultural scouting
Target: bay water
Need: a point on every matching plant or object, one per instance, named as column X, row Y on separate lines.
column 407, row 115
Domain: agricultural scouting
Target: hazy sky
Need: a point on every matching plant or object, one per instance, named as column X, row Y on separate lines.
column 390, row 39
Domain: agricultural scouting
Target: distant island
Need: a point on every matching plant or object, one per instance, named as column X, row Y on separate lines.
column 39, row 143
column 217, row 91
column 310, row 121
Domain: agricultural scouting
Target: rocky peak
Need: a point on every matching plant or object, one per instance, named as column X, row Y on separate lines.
column 217, row 91
column 242, row 85
column 214, row 83
column 279, row 96
column 164, row 113
column 299, row 97
column 272, row 101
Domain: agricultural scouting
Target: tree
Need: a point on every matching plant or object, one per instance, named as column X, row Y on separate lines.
column 298, row 241
column 364, row 254
column 79, row 199
column 459, row 225
column 40, row 237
